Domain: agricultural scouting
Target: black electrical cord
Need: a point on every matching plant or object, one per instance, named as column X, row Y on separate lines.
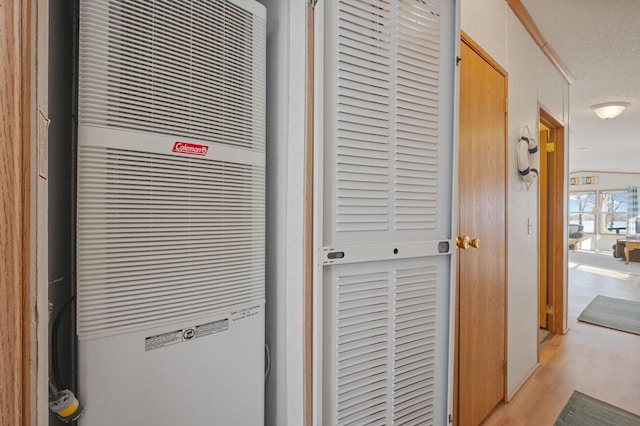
column 62, row 278
column 54, row 343
column 53, row 391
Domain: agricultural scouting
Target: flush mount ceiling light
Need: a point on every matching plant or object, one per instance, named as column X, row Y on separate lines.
column 610, row 109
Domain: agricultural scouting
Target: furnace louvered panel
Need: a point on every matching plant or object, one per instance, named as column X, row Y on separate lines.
column 165, row 238
column 171, row 110
column 185, row 68
column 170, row 228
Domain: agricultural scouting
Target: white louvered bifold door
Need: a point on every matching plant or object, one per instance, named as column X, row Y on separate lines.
column 388, row 79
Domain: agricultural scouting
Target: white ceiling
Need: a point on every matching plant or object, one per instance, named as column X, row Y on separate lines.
column 599, row 41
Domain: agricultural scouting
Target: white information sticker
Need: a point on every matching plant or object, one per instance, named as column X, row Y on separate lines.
column 184, row 335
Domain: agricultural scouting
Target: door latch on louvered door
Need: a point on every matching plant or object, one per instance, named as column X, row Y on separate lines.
column 384, row 251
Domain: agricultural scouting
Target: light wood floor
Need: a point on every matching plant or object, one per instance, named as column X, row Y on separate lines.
column 594, row 360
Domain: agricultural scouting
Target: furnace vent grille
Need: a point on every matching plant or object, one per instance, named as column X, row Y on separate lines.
column 193, row 69
column 164, row 237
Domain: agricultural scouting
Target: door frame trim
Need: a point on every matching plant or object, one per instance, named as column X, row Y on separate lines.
column 543, row 213
column 17, row 60
column 557, row 245
column 308, row 221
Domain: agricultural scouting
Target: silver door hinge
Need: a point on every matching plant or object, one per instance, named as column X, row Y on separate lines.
column 450, row 418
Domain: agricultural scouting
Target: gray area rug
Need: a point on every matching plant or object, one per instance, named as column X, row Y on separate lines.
column 619, row 314
column 583, row 410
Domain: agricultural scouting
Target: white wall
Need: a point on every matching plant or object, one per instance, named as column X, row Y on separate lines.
column 553, row 89
column 286, row 44
column 532, row 82
column 522, row 275
column 484, row 21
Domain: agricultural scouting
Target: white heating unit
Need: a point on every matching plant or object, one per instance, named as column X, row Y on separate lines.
column 171, row 212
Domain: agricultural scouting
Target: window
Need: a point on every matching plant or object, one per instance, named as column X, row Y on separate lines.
column 603, row 211
column 581, row 210
column 613, row 211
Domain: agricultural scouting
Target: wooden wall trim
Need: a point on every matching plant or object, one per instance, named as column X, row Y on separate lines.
column 529, row 24
column 15, row 95
column 27, row 35
column 308, row 226
column 559, row 243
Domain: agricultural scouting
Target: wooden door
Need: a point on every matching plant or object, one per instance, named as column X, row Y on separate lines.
column 544, row 138
column 481, row 215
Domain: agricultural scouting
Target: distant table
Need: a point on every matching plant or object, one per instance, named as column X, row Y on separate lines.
column 629, row 246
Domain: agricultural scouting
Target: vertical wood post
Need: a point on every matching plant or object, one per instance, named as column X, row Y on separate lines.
column 15, row 83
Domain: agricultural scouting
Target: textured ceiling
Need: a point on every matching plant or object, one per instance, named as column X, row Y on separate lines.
column 599, row 41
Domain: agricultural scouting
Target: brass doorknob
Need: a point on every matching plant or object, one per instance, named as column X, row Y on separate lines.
column 463, row 242
column 475, row 243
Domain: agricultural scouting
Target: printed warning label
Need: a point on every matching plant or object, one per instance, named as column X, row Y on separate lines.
column 162, row 340
column 212, row 328
column 184, row 335
column 245, row 313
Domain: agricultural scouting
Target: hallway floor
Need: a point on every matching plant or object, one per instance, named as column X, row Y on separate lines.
column 594, row 360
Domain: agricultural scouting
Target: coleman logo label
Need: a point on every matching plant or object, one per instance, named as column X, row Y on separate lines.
column 190, row 148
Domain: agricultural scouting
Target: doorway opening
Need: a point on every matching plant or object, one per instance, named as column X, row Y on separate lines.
column 552, row 223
